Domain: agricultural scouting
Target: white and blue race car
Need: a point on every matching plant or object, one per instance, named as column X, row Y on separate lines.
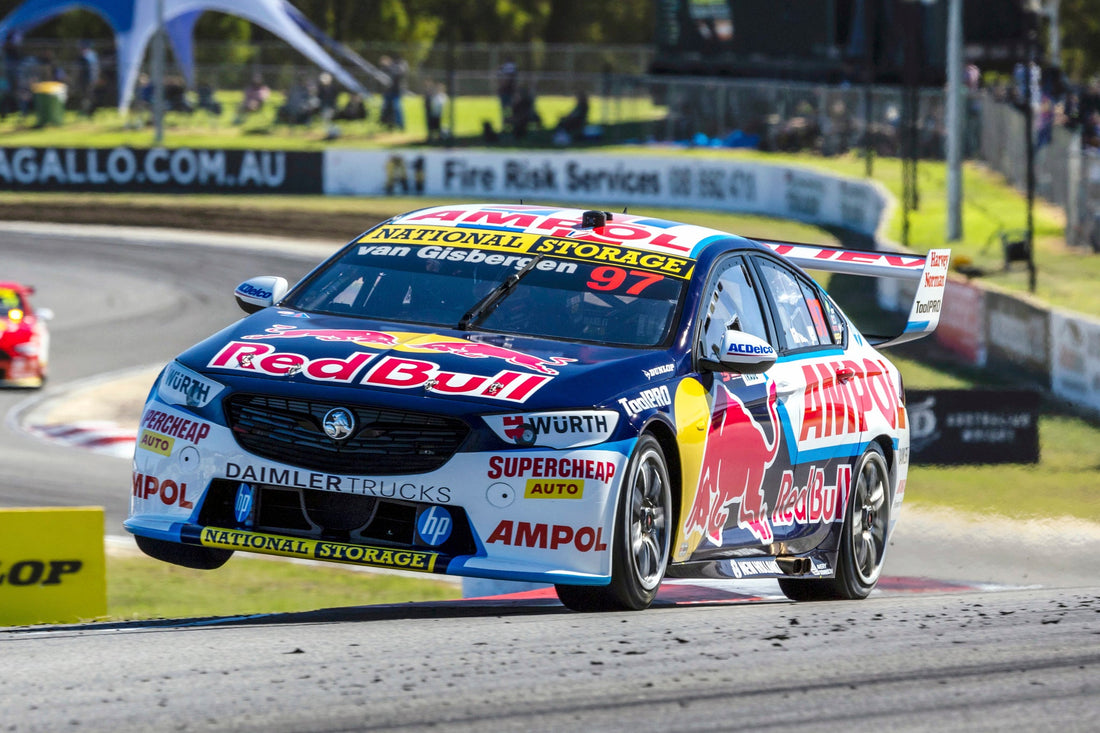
column 543, row 394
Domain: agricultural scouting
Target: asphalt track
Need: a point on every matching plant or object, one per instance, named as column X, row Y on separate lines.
column 981, row 625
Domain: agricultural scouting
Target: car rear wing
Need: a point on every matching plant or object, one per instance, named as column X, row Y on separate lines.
column 929, row 273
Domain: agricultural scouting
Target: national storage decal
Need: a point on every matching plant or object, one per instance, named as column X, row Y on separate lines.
column 385, row 557
column 160, row 169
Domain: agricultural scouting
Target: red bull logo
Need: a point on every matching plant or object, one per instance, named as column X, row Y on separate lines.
column 738, row 455
column 479, row 350
column 279, row 331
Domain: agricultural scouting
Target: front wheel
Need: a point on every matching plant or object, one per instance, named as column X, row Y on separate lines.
column 643, row 530
column 862, row 538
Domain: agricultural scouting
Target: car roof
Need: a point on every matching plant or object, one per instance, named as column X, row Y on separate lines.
column 626, row 229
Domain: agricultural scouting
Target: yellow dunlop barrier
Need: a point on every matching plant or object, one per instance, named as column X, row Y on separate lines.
column 52, row 565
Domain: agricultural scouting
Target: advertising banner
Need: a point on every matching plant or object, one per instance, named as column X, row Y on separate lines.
column 951, row 427
column 1018, row 336
column 52, row 565
column 595, row 181
column 962, row 322
column 1075, row 366
column 159, row 170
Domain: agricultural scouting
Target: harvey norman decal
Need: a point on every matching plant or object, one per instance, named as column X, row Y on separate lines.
column 159, row 169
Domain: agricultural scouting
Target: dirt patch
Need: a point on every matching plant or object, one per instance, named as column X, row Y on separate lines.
column 284, row 222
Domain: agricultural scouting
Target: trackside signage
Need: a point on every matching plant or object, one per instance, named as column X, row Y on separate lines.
column 52, row 566
column 175, row 170
column 746, row 186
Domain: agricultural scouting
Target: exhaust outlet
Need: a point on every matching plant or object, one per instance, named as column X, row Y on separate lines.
column 793, row 565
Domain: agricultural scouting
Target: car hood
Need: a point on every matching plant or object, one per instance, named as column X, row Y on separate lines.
column 401, row 359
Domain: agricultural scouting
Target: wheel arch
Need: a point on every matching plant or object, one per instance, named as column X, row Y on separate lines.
column 666, row 438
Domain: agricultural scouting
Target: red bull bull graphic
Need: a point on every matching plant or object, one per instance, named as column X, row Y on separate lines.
column 480, row 350
column 737, row 456
column 279, row 331
column 418, row 342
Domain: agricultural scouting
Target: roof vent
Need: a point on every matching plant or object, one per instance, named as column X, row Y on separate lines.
column 594, row 219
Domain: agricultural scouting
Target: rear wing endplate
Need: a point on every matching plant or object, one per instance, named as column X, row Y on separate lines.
column 929, row 273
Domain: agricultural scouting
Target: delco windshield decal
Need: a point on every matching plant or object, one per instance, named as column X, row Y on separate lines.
column 520, row 243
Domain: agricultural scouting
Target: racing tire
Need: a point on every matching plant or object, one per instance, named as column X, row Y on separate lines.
column 189, row 556
column 641, row 540
column 862, row 537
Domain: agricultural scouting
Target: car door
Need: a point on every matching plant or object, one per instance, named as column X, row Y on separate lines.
column 725, row 504
column 816, row 395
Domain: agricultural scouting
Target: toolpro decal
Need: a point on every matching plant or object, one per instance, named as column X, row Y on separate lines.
column 555, row 429
column 547, row 537
column 737, row 455
column 647, row 399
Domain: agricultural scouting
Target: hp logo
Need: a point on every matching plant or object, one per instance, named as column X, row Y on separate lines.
column 434, row 525
column 242, row 508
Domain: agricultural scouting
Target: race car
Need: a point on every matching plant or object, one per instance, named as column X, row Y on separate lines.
column 516, row 392
column 24, row 338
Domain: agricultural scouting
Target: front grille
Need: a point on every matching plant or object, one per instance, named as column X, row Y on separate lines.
column 322, row 515
column 385, row 442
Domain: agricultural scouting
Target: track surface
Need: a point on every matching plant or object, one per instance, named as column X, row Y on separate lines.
column 1009, row 660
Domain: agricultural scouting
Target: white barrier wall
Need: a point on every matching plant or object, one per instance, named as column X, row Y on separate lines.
column 596, row 181
column 1075, row 358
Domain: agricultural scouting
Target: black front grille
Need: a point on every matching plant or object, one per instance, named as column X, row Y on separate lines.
column 385, row 442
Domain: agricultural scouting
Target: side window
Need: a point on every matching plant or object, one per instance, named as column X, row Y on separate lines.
column 801, row 321
column 732, row 304
column 836, row 321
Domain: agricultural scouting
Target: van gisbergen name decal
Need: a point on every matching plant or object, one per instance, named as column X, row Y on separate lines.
column 524, row 243
column 228, row 539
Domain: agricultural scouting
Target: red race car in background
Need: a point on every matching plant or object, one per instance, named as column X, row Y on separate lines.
column 24, row 340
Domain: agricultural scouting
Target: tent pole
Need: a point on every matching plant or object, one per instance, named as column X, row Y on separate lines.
column 158, row 76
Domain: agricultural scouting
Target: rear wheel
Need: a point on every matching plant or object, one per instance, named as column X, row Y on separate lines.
column 862, row 538
column 189, row 556
column 639, row 554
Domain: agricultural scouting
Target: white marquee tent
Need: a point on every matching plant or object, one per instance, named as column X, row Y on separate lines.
column 134, row 23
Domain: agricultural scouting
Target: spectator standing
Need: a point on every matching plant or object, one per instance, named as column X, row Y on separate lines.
column 573, row 124
column 507, row 76
column 393, row 116
column 435, row 101
column 87, row 78
column 524, row 113
column 326, row 99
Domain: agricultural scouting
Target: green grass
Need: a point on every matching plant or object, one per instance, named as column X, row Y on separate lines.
column 262, row 131
column 139, row 587
column 1066, row 276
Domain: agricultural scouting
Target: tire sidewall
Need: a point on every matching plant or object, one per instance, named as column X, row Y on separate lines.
column 626, row 584
column 849, row 580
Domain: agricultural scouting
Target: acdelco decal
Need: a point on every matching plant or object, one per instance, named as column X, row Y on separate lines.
column 550, row 468
column 156, row 443
column 838, row 405
column 546, row 489
column 177, row 427
column 318, row 550
column 814, row 502
column 169, row 492
column 33, row 572
column 544, row 536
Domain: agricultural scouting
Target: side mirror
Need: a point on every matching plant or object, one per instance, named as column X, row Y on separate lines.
column 260, row 292
column 745, row 353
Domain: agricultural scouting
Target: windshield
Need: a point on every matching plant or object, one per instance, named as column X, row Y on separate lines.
column 438, row 286
column 10, row 301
